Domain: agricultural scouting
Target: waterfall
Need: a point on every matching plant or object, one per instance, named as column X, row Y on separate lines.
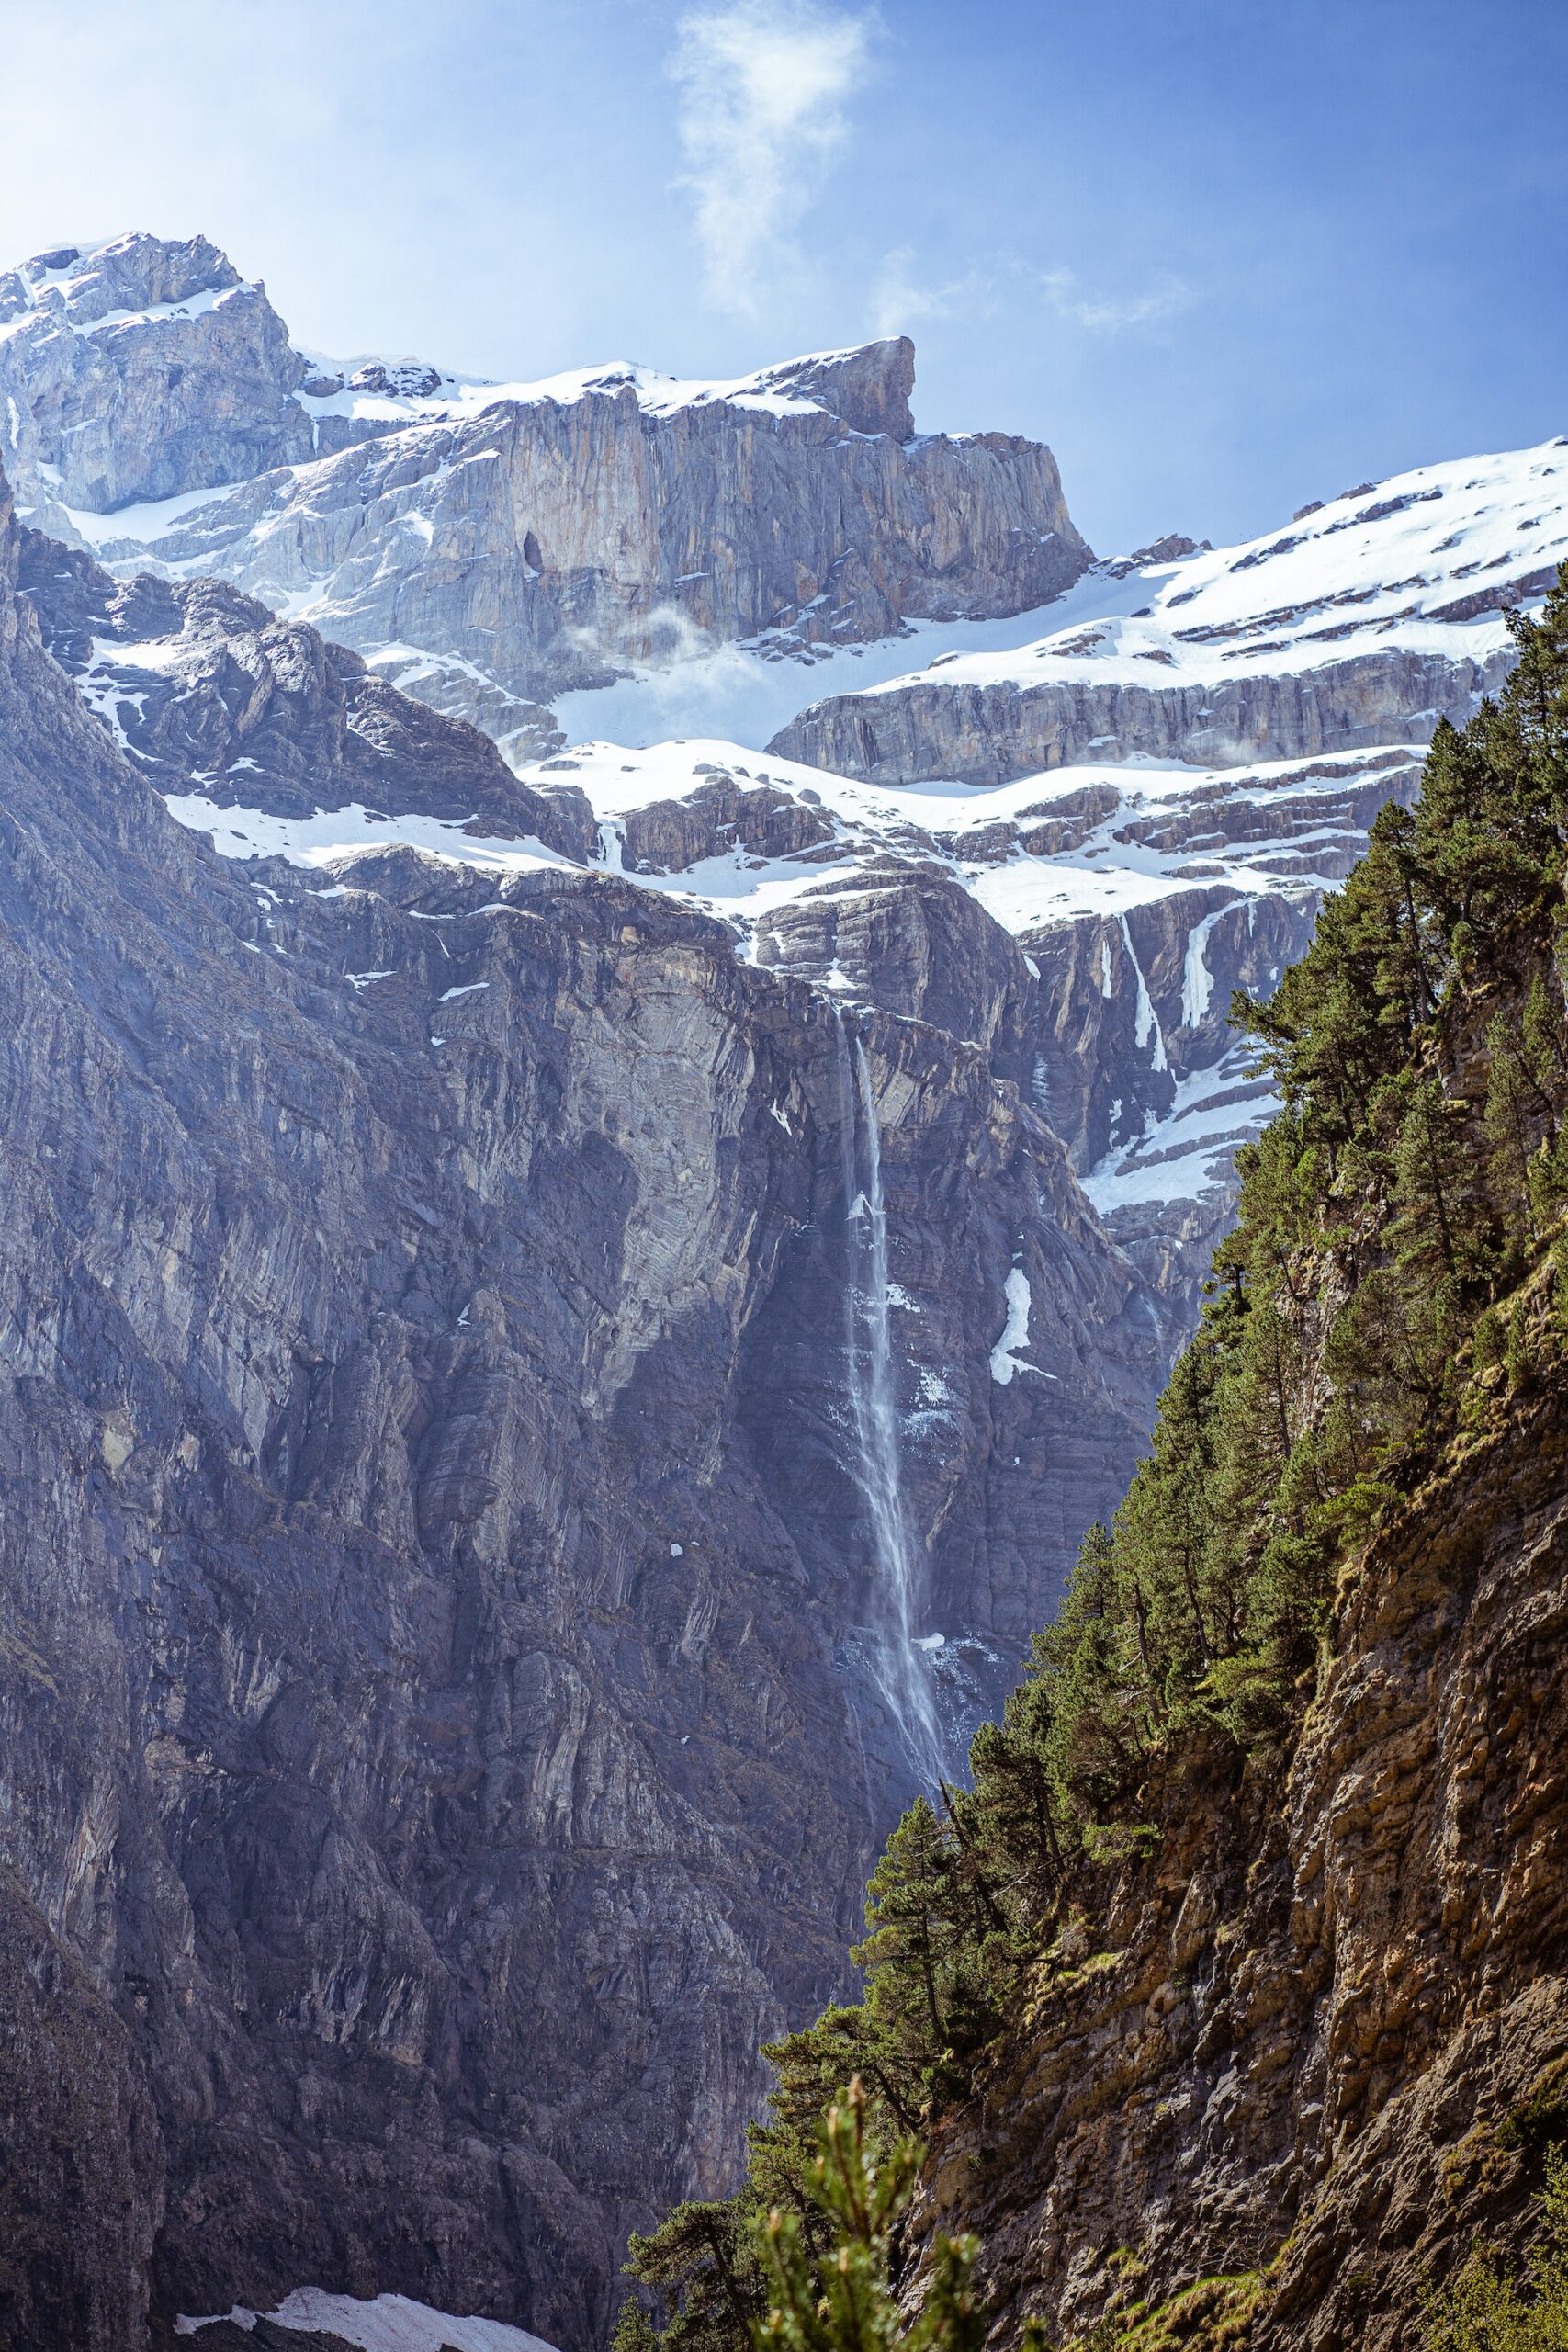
column 900, row 1667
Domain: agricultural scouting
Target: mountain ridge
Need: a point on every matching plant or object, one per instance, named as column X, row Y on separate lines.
column 508, row 542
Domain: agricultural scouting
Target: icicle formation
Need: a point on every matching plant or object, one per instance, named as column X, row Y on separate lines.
column 900, row 1669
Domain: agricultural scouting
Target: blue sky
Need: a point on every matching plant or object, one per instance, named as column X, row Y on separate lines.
column 1225, row 255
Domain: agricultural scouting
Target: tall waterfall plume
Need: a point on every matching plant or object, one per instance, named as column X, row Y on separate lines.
column 899, row 1664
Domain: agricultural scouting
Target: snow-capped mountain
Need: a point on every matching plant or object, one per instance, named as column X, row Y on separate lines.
column 550, row 1297
column 531, row 1425
column 1230, row 718
column 492, row 545
column 1359, row 624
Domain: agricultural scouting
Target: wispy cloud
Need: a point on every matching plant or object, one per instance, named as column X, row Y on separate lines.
column 1108, row 314
column 902, row 299
column 764, row 86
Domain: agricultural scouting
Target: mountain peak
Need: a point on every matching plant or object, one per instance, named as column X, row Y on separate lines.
column 132, row 272
column 868, row 386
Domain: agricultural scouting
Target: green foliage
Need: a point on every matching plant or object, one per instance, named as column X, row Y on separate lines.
column 634, row 2331
column 838, row 2291
column 1540, row 2119
column 702, row 2266
column 1489, row 2309
column 1211, row 2315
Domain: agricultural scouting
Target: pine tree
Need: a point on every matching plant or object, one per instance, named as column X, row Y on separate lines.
column 702, row 2263
column 634, row 2331
column 1402, row 1238
column 845, row 2298
column 925, row 1998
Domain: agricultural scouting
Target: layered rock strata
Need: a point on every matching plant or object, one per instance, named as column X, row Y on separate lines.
column 922, row 731
column 496, row 545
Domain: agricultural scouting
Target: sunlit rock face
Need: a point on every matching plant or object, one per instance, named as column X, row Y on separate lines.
column 139, row 369
column 451, row 1689
column 494, row 544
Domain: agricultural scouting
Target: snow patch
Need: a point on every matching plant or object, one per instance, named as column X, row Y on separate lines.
column 386, row 2323
column 1146, row 1019
column 1005, row 1360
column 333, row 833
column 1197, row 980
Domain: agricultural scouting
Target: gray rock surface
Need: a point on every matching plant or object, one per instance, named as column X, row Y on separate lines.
column 142, row 369
column 442, row 1728
column 927, row 729
column 203, row 686
column 552, row 542
column 497, row 550
column 440, row 1735
column 1089, row 933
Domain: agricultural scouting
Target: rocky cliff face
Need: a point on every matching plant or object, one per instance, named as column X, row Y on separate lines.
column 1090, row 927
column 496, row 545
column 139, row 369
column 913, row 733
column 1317, row 2047
column 481, row 1242
column 1273, row 673
column 198, row 682
column 446, row 1682
column 1372, row 618
column 548, row 541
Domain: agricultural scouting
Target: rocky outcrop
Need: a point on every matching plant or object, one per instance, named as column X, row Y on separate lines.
column 869, row 387
column 203, row 686
column 925, row 730
column 1092, row 933
column 1318, row 2044
column 913, row 942
column 718, row 817
column 442, row 1725
column 139, row 369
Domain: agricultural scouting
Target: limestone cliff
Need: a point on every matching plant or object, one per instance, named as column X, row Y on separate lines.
column 1373, row 617
column 548, row 541
column 142, row 369
column 444, row 1681
column 496, row 545
column 990, row 734
column 1230, row 1995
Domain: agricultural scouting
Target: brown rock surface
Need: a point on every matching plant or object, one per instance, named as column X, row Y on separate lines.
column 1292, row 2042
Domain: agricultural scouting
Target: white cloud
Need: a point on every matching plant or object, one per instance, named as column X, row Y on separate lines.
column 764, row 84
column 901, row 300
column 1106, row 314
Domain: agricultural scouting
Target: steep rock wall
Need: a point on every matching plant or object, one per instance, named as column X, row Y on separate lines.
column 1309, row 2054
column 925, row 731
column 148, row 369
column 440, row 1730
column 498, row 551
column 549, row 542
